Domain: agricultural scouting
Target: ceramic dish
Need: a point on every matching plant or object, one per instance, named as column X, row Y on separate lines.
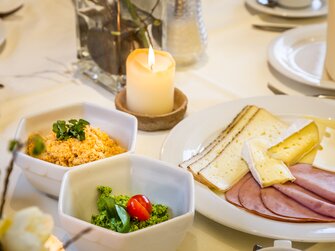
column 2, row 33
column 299, row 55
column 317, row 8
column 128, row 174
column 7, row 6
column 46, row 176
column 195, row 132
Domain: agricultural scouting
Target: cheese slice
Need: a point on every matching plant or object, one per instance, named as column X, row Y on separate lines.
column 224, row 141
column 324, row 158
column 299, row 139
column 266, row 170
column 215, row 145
column 322, row 124
column 228, row 168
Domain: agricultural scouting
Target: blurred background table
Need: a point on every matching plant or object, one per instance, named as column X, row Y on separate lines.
column 37, row 71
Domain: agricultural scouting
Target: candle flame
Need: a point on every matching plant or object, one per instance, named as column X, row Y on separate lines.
column 151, row 57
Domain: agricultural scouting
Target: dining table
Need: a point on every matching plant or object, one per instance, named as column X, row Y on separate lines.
column 38, row 72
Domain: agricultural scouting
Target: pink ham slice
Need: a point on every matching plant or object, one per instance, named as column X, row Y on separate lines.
column 315, row 180
column 250, row 198
column 232, row 193
column 307, row 198
column 283, row 205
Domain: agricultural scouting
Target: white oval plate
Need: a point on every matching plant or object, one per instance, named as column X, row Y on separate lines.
column 317, row 8
column 193, row 133
column 9, row 5
column 2, row 33
column 299, row 54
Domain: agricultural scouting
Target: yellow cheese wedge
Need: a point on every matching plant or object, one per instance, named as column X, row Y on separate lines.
column 309, row 157
column 299, row 139
column 267, row 171
column 322, row 124
column 324, row 158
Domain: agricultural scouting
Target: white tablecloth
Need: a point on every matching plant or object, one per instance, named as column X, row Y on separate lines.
column 36, row 67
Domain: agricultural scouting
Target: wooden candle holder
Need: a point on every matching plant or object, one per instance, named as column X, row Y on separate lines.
column 152, row 123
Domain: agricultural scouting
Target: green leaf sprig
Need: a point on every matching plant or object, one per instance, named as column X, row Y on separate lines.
column 71, row 129
column 13, row 145
column 114, row 213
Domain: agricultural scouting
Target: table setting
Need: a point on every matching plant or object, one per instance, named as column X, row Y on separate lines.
column 187, row 94
column 290, row 9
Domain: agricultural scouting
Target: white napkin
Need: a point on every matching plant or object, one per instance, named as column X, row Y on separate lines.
column 329, row 65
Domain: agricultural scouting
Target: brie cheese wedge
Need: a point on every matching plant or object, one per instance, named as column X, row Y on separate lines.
column 324, row 158
column 266, row 170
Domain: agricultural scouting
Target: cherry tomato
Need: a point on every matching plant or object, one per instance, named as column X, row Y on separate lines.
column 139, row 207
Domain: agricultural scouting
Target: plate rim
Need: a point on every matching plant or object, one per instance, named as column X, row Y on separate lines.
column 12, row 5
column 2, row 33
column 275, row 234
column 280, row 12
column 276, row 63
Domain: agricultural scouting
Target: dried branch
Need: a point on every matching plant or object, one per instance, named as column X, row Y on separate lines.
column 142, row 30
column 75, row 238
column 15, row 146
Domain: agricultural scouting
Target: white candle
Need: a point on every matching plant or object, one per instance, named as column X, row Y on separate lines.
column 150, row 82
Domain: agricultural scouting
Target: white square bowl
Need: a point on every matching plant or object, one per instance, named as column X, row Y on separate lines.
column 47, row 177
column 128, row 174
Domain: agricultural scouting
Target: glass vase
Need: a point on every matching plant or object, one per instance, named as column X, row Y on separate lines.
column 186, row 35
column 108, row 30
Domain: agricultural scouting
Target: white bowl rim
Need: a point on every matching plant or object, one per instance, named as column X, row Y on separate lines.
column 125, row 235
column 77, row 104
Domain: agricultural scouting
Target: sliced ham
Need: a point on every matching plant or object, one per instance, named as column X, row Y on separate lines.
column 307, row 198
column 250, row 199
column 283, row 205
column 315, row 180
column 232, row 194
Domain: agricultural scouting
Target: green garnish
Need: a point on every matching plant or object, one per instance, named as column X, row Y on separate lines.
column 13, row 144
column 124, row 217
column 114, row 216
column 71, row 129
column 37, row 142
column 39, row 145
